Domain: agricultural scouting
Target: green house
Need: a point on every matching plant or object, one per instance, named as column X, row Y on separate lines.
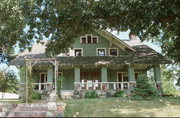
column 98, row 60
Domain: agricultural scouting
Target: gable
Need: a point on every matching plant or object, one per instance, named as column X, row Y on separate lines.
column 91, row 49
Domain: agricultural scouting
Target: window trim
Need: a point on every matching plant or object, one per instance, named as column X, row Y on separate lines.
column 97, row 51
column 81, row 39
column 92, row 36
column 78, row 49
column 113, row 55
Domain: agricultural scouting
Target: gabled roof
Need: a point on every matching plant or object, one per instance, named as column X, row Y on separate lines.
column 138, row 53
column 114, row 39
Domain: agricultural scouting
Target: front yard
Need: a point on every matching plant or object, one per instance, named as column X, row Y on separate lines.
column 117, row 107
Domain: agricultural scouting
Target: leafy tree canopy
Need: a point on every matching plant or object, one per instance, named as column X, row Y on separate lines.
column 62, row 20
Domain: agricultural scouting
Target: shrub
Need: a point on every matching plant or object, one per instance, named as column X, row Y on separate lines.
column 36, row 95
column 143, row 89
column 91, row 94
column 119, row 94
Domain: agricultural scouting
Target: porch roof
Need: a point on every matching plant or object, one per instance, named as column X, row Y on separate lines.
column 143, row 55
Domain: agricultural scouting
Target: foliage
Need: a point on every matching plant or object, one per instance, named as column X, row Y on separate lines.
column 30, row 80
column 36, row 95
column 119, row 94
column 91, row 94
column 60, row 20
column 169, row 76
column 59, row 85
column 143, row 89
column 8, row 83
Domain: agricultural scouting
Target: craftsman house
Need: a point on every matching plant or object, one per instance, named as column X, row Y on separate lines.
column 97, row 61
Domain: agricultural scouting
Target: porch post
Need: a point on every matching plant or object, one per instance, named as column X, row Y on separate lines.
column 76, row 76
column 49, row 78
column 157, row 77
column 104, row 75
column 131, row 77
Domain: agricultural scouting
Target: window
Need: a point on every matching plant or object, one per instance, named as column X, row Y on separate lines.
column 89, row 39
column 77, row 52
column 83, row 39
column 94, row 39
column 113, row 52
column 101, row 52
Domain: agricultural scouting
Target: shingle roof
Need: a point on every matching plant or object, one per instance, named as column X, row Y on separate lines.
column 142, row 55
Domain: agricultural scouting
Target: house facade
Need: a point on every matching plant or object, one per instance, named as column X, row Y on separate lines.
column 98, row 60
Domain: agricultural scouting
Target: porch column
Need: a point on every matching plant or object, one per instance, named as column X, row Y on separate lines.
column 76, row 76
column 104, row 77
column 131, row 77
column 157, row 77
column 104, row 74
column 50, row 78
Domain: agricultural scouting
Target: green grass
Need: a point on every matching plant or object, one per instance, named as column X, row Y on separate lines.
column 116, row 107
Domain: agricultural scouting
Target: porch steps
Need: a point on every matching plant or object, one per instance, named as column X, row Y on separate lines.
column 29, row 110
column 42, row 109
column 67, row 94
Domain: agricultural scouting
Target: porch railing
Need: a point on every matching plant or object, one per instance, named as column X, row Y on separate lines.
column 101, row 85
column 43, row 86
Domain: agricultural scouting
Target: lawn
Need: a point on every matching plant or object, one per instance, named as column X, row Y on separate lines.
column 116, row 107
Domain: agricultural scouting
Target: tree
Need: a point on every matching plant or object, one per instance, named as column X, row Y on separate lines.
column 8, row 83
column 169, row 78
column 143, row 89
column 62, row 20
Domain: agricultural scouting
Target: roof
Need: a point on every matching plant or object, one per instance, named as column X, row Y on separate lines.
column 143, row 54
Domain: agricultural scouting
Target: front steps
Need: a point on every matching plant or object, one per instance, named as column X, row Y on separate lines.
column 42, row 109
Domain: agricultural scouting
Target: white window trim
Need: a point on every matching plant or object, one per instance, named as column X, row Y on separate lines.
column 87, row 39
column 83, row 37
column 40, row 76
column 97, row 39
column 113, row 48
column 78, row 49
column 100, row 48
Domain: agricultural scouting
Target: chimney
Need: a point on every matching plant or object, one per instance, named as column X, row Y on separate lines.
column 134, row 38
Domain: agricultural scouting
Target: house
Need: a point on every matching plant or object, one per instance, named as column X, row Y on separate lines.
column 97, row 61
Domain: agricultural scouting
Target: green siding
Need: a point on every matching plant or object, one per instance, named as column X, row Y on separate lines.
column 90, row 49
column 68, row 82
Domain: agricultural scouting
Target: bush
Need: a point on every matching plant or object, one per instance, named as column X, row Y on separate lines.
column 119, row 94
column 143, row 89
column 91, row 94
column 36, row 95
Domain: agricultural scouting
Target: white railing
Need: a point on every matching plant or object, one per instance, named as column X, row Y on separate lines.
column 43, row 86
column 101, row 85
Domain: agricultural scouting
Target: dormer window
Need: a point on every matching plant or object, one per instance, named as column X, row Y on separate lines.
column 113, row 52
column 78, row 52
column 89, row 39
